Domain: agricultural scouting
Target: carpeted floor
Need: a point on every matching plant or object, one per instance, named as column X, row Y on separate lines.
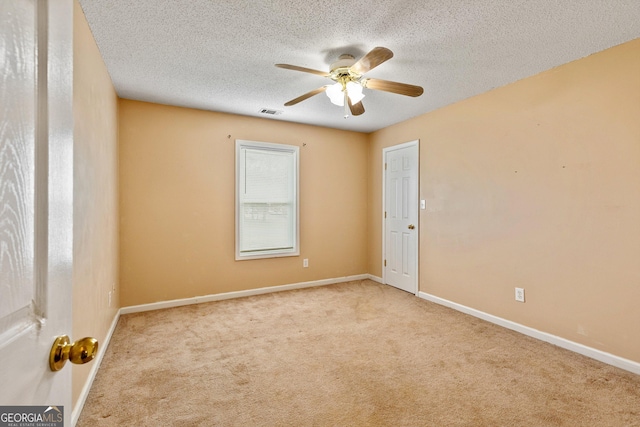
column 351, row 354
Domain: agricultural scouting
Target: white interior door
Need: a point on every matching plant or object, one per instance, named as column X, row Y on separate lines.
column 401, row 216
column 36, row 196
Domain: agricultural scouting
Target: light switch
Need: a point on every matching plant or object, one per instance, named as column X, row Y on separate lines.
column 423, row 204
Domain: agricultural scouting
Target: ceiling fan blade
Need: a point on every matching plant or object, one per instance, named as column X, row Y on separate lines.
column 394, row 87
column 305, row 96
column 356, row 109
column 371, row 60
column 303, row 69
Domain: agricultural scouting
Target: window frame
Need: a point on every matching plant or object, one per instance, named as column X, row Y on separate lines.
column 268, row 146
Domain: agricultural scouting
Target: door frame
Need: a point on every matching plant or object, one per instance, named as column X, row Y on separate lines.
column 385, row 150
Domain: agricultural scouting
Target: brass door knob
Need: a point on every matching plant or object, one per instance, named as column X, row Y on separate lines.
column 411, row 226
column 78, row 352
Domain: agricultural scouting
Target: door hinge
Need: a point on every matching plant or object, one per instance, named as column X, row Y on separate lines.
column 385, row 166
column 385, row 214
column 385, row 262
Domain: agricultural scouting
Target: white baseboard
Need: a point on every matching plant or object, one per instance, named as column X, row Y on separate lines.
column 237, row 294
column 608, row 358
column 375, row 278
column 79, row 404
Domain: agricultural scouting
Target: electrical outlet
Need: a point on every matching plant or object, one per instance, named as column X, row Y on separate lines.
column 305, row 262
column 520, row 294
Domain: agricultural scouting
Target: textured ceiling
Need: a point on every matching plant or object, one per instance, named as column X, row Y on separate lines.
column 219, row 55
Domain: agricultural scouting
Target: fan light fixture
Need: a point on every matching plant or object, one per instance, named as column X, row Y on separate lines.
column 336, row 93
column 347, row 73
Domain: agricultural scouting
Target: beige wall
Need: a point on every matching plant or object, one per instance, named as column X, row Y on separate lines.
column 534, row 185
column 177, row 187
column 95, row 228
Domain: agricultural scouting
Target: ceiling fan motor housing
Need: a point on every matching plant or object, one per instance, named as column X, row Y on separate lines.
column 341, row 69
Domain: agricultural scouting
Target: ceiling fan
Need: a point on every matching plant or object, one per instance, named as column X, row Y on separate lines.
column 349, row 81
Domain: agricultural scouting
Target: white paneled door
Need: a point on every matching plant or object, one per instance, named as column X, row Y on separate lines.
column 36, row 199
column 401, row 216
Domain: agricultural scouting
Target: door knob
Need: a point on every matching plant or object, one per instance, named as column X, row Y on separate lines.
column 78, row 352
column 411, row 226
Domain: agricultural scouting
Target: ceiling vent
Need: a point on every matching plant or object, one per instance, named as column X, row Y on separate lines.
column 270, row 112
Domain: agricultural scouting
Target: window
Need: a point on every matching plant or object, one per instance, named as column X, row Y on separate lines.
column 266, row 200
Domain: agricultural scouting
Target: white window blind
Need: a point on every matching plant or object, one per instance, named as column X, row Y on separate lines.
column 266, row 200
